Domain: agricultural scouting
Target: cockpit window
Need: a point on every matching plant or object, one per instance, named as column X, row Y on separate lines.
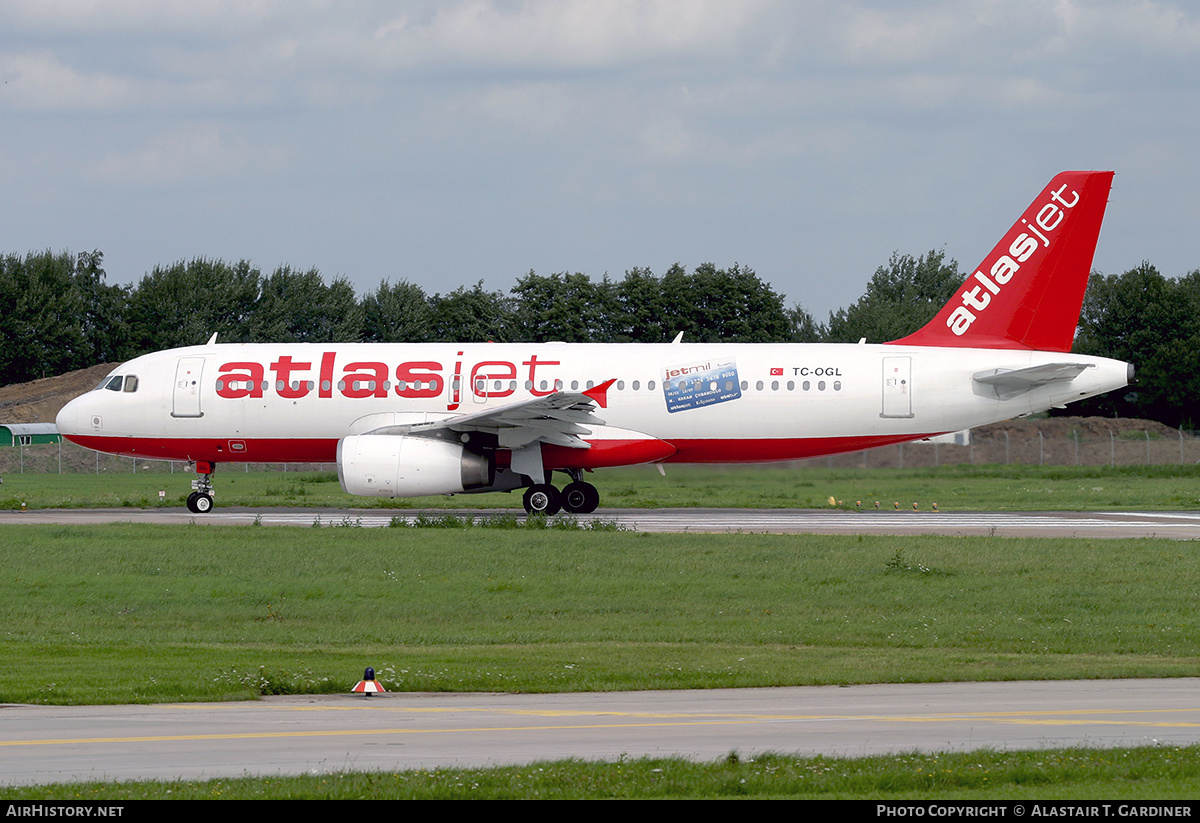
column 127, row 383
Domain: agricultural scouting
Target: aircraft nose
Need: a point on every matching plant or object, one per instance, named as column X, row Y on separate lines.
column 68, row 418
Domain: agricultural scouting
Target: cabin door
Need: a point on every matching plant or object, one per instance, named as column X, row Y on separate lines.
column 187, row 387
column 897, row 387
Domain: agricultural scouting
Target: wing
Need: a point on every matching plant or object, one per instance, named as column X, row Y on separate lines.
column 559, row 419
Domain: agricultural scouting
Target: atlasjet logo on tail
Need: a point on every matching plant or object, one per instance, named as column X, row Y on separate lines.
column 976, row 300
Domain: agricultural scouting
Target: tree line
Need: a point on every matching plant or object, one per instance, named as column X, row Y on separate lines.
column 59, row 314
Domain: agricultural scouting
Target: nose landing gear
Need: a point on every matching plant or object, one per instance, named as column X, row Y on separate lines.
column 200, row 500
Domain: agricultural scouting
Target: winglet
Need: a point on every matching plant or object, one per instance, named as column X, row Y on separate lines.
column 1027, row 293
column 600, row 393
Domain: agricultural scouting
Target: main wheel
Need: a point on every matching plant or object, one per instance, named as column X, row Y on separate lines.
column 542, row 499
column 580, row 498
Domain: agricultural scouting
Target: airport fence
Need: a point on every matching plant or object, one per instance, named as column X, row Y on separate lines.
column 1033, row 446
column 66, row 457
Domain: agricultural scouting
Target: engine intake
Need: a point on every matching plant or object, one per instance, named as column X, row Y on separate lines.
column 389, row 465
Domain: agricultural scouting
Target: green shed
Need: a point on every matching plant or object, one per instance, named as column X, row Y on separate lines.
column 28, row 434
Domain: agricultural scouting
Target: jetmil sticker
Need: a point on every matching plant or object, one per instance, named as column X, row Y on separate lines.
column 694, row 385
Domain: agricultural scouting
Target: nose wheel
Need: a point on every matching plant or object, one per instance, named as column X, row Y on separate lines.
column 200, row 500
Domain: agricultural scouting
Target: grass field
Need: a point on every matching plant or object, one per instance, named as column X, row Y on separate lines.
column 126, row 613
column 1154, row 774
column 962, row 488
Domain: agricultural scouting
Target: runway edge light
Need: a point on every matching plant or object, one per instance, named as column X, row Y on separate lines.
column 368, row 685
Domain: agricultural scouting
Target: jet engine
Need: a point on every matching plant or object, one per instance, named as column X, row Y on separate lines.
column 394, row 465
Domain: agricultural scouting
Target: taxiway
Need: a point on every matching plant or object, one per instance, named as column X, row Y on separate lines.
column 1180, row 525
column 319, row 734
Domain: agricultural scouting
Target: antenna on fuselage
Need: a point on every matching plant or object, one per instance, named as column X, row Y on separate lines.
column 212, row 341
column 678, row 338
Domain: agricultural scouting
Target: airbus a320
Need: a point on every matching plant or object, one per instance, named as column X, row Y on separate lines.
column 408, row 420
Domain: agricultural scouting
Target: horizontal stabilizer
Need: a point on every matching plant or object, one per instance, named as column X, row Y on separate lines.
column 1011, row 382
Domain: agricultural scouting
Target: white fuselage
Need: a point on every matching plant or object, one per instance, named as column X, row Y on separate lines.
column 712, row 403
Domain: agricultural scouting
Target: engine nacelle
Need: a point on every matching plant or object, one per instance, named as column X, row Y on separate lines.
column 391, row 465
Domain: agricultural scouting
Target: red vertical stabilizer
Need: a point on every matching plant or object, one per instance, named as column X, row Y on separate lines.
column 1027, row 293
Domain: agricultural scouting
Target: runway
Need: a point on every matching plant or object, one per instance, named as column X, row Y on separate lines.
column 1179, row 525
column 295, row 735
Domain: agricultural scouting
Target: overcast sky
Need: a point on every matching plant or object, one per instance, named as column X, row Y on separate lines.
column 445, row 143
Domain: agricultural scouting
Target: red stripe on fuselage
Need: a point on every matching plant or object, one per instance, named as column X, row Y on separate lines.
column 603, row 454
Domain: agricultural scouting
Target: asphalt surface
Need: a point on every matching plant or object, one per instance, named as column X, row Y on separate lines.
column 1181, row 525
column 319, row 734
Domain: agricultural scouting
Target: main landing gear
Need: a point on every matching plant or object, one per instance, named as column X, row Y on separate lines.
column 200, row 500
column 577, row 497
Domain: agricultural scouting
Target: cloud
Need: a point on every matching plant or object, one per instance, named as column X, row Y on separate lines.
column 556, row 34
column 41, row 82
column 772, row 129
column 200, row 152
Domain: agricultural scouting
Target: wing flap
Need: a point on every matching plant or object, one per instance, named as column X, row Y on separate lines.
column 556, row 419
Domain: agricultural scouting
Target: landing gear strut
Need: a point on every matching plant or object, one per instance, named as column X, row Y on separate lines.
column 200, row 500
column 577, row 497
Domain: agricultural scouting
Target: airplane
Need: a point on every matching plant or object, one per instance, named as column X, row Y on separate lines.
column 408, row 420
